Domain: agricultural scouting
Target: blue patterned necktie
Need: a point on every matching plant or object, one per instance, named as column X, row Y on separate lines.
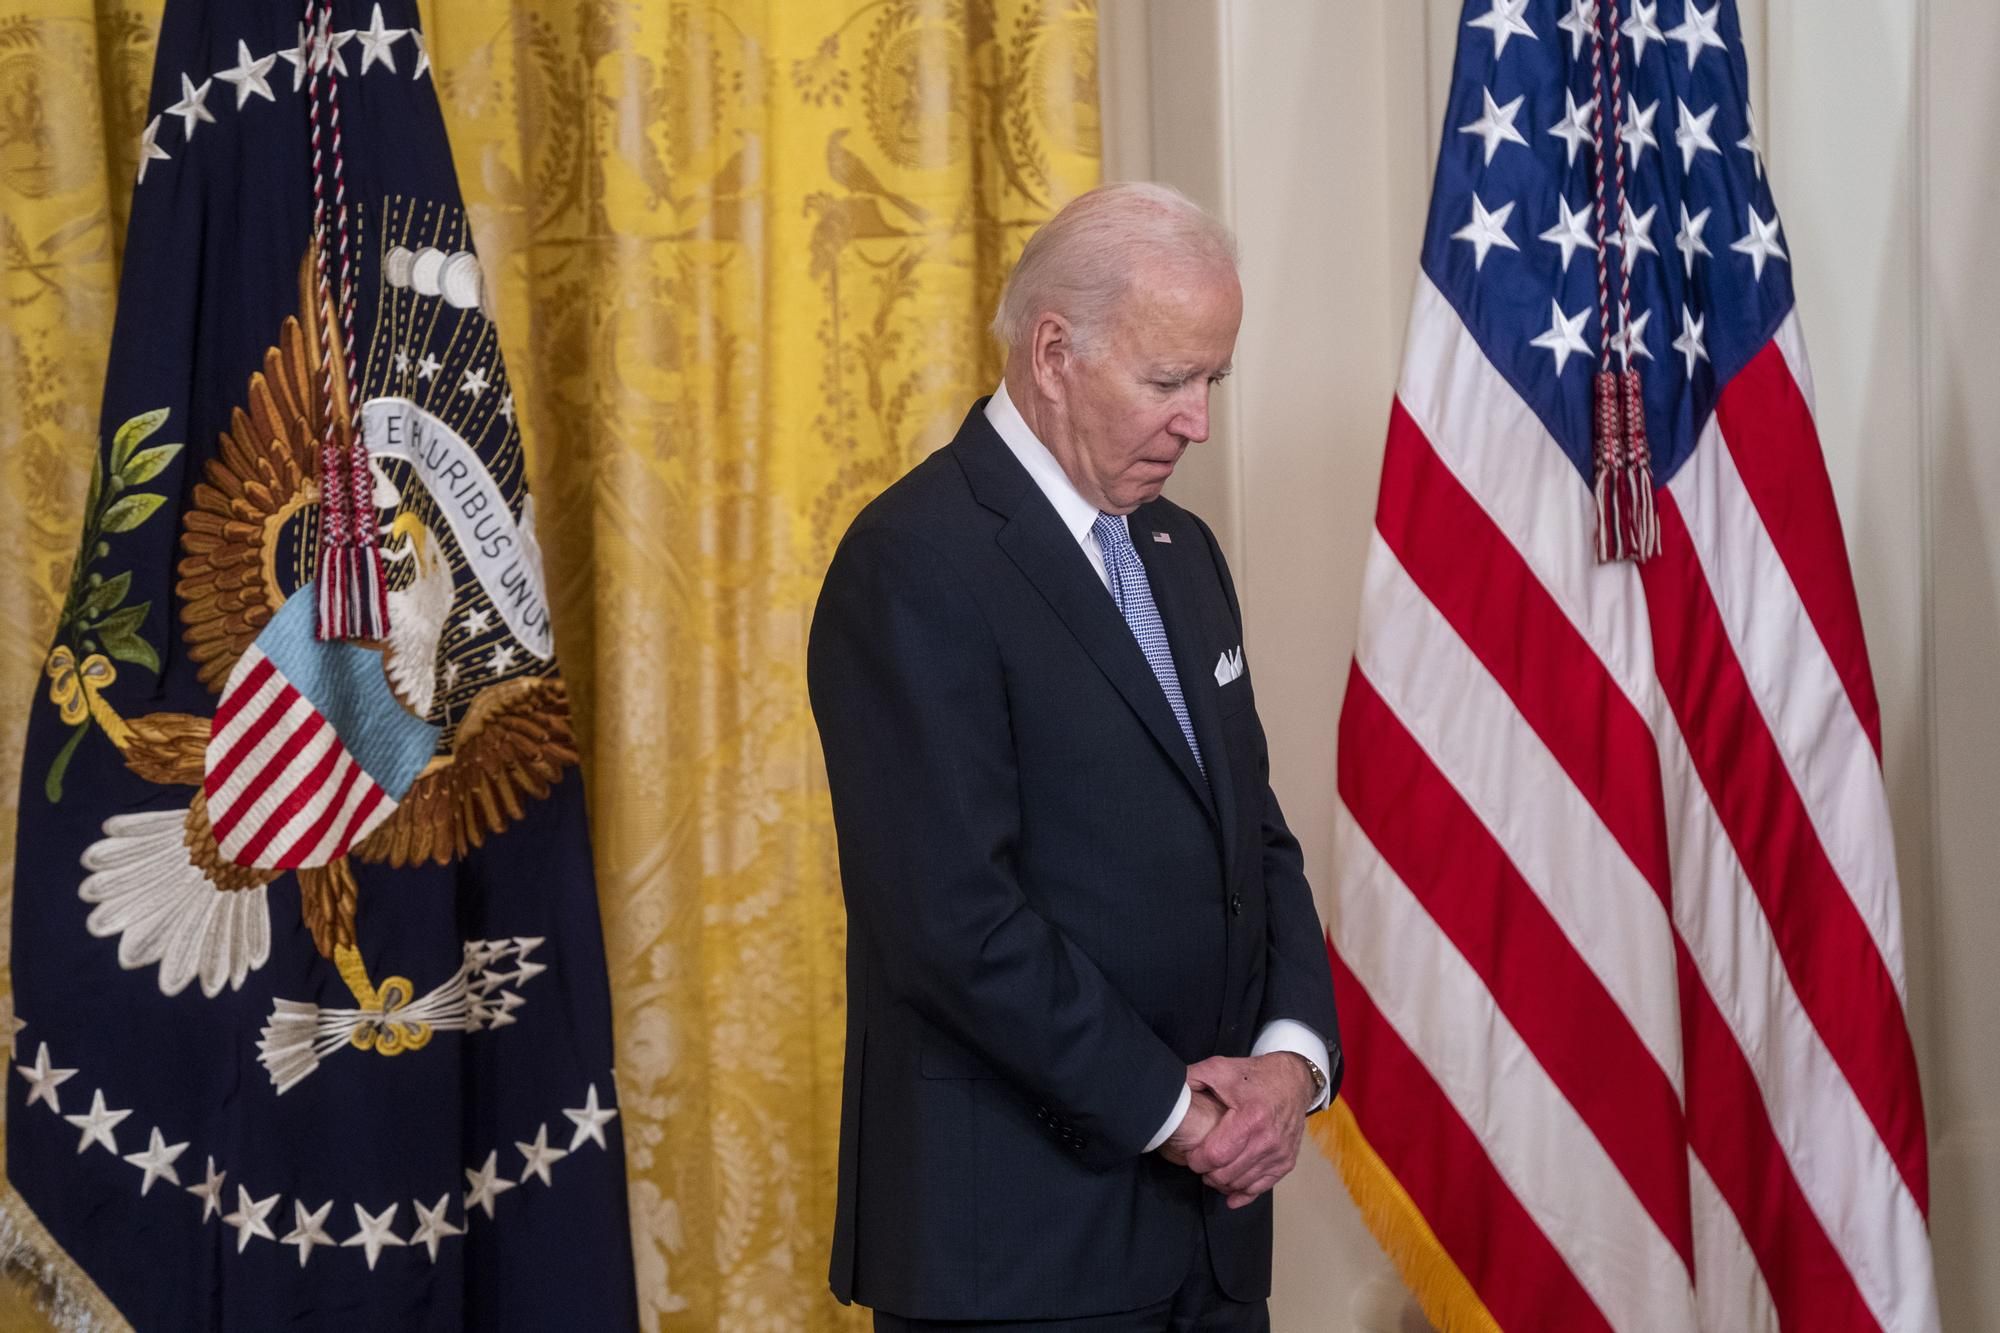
column 1134, row 597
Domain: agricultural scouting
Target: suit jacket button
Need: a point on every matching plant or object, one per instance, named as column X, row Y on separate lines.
column 1236, row 904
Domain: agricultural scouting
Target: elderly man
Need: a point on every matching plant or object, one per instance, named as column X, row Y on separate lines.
column 1088, row 1000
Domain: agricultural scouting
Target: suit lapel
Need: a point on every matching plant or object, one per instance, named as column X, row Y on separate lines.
column 1048, row 556
column 1166, row 563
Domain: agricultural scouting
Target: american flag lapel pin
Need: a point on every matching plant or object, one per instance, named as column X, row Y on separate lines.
column 1166, row 537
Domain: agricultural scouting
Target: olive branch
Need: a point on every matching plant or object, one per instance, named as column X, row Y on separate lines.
column 96, row 625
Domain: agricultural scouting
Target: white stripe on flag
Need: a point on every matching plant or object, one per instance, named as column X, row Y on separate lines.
column 249, row 777
column 1729, row 1288
column 295, row 772
column 1478, row 740
column 1791, row 341
column 1548, row 1158
column 323, row 851
column 1829, row 757
column 252, row 709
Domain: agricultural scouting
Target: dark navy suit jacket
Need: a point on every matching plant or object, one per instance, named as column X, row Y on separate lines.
column 1051, row 911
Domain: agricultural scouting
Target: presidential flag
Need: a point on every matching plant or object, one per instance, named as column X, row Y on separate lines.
column 313, row 1022
column 1615, row 929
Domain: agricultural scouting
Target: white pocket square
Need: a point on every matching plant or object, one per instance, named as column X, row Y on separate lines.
column 1229, row 666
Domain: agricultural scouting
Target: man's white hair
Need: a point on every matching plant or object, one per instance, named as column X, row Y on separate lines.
column 1083, row 260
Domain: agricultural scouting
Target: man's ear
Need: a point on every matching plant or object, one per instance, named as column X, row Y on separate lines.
column 1052, row 356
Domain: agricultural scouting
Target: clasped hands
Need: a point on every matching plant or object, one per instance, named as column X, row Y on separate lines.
column 1241, row 1132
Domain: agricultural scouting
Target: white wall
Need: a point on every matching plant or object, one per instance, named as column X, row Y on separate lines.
column 1310, row 125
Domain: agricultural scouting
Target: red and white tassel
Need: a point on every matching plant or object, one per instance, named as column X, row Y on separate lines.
column 1628, row 522
column 353, row 601
column 1608, row 446
column 1641, row 515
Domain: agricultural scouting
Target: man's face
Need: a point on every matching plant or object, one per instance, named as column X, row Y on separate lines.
column 1135, row 404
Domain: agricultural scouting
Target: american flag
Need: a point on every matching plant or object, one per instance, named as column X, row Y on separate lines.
column 1616, row 935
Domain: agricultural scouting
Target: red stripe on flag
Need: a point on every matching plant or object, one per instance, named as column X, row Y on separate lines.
column 1840, row 978
column 245, row 691
column 305, row 842
column 273, row 771
column 1774, row 442
column 1810, row 1285
column 1449, row 861
column 1476, row 578
column 298, row 797
column 1521, row 1278
column 361, row 813
column 247, row 741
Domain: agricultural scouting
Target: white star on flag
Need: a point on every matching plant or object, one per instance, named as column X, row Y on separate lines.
column 1504, row 21
column 1638, row 128
column 248, row 1219
column 1496, row 125
column 1750, row 143
column 590, row 1121
column 428, row 367
column 1761, row 243
column 247, row 76
column 1642, row 27
column 475, row 623
column 209, row 1191
column 307, row 1229
column 539, row 1157
column 44, row 1080
column 507, row 407
column 157, row 1161
column 97, row 1124
column 377, row 44
column 1690, row 344
column 1692, row 134
column 1574, row 128
column 1635, row 236
column 1630, row 342
column 1572, row 233
column 433, row 1226
column 1486, row 230
column 1579, row 23
column 502, row 660
column 402, row 360
column 423, row 54
column 475, row 382
column 1689, row 241
column 193, row 106
column 375, row 1233
column 149, row 148
column 486, row 1185
column 1697, row 32
column 326, row 50
column 297, row 57
column 1565, row 335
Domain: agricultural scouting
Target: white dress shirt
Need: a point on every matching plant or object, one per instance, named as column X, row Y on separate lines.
column 1078, row 514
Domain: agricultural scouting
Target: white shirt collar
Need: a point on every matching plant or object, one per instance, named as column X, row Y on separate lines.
column 1077, row 514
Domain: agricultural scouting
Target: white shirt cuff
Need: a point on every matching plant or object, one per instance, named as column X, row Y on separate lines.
column 1285, row 1034
column 1174, row 1120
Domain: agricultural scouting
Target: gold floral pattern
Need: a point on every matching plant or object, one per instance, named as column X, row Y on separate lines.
column 744, row 256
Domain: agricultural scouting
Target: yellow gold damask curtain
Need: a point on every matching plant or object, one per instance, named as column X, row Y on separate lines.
column 745, row 251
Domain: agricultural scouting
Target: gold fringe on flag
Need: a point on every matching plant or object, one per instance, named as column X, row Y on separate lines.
column 43, row 1280
column 1443, row 1292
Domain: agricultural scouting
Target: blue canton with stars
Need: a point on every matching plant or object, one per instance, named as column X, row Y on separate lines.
column 1512, row 232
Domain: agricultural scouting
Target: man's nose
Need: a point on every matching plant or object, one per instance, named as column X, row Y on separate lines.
column 1192, row 423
